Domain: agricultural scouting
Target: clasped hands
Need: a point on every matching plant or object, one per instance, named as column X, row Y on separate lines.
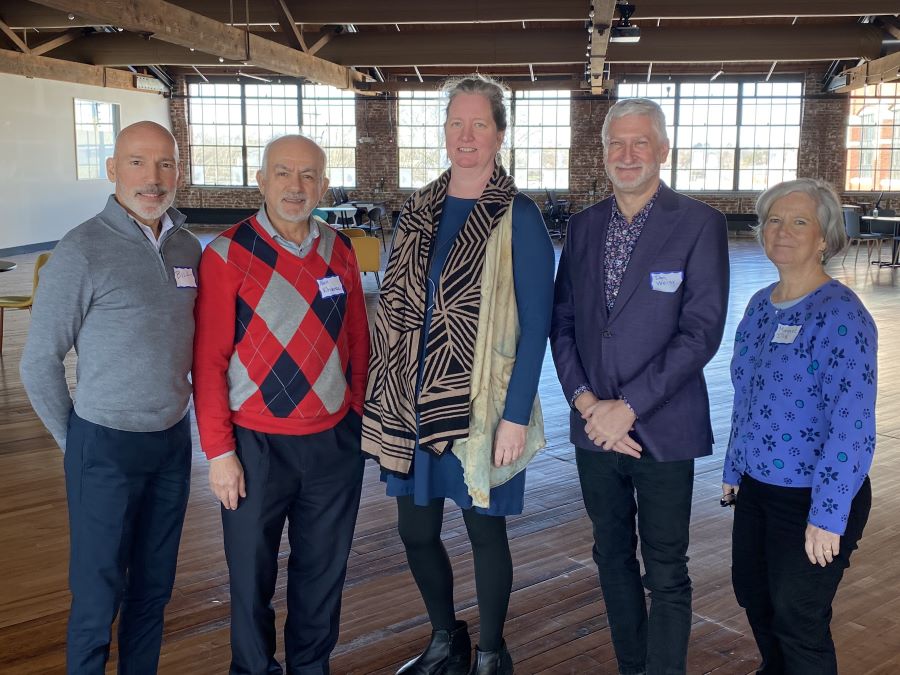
column 607, row 424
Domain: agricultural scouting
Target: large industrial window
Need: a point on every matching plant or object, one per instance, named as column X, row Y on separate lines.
column 230, row 125
column 542, row 135
column 728, row 135
column 873, row 139
column 329, row 118
column 96, row 127
column 420, row 137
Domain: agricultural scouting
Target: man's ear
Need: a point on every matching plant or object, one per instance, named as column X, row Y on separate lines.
column 111, row 169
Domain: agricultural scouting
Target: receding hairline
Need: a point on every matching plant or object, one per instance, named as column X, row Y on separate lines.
column 264, row 160
column 144, row 126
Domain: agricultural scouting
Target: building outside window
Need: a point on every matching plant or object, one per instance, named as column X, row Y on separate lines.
column 873, row 139
column 96, row 128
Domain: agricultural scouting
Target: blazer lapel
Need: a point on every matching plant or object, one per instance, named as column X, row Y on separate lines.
column 662, row 221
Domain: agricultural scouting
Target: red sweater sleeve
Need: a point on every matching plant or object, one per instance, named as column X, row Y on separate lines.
column 214, row 314
column 357, row 334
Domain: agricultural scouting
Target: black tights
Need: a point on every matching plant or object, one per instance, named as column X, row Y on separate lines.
column 420, row 530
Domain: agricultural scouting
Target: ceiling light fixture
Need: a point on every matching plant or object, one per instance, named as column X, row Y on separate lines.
column 624, row 30
column 717, row 74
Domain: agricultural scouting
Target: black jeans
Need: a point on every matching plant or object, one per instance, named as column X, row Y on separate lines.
column 617, row 488
column 787, row 598
column 314, row 483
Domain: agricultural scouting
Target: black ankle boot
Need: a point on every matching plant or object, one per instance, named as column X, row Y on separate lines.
column 448, row 653
column 492, row 663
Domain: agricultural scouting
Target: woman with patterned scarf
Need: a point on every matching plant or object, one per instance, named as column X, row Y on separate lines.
column 451, row 409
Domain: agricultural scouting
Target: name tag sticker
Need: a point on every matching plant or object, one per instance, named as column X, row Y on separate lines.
column 785, row 335
column 184, row 277
column 330, row 286
column 667, row 282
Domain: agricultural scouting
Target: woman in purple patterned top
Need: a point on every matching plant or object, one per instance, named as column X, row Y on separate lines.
column 803, row 432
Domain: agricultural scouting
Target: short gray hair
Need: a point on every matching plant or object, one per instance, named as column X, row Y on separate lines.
column 482, row 85
column 828, row 210
column 264, row 160
column 636, row 106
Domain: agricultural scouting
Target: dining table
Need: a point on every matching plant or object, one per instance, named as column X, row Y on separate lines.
column 892, row 226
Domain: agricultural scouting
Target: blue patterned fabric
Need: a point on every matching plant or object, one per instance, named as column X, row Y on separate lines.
column 621, row 236
column 804, row 408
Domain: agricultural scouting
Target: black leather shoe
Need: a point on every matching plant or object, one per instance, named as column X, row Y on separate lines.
column 448, row 653
column 492, row 663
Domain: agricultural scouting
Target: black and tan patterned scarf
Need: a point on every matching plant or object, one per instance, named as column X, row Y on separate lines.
column 389, row 420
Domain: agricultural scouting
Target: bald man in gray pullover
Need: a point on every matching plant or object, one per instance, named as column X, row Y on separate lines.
column 120, row 288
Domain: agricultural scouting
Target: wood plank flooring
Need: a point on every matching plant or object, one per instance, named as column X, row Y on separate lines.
column 557, row 622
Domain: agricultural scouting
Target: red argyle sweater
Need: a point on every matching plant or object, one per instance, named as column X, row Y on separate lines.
column 282, row 342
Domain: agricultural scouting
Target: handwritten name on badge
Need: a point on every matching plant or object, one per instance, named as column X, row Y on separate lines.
column 785, row 335
column 330, row 286
column 667, row 282
column 184, row 277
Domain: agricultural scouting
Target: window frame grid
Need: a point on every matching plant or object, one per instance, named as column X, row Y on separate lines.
column 543, row 96
column 884, row 146
column 741, row 98
column 102, row 151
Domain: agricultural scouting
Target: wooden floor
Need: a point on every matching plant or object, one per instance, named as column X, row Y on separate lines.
column 557, row 622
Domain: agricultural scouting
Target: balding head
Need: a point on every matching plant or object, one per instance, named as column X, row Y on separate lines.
column 292, row 180
column 144, row 168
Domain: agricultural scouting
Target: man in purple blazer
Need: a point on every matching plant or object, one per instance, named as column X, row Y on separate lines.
column 641, row 295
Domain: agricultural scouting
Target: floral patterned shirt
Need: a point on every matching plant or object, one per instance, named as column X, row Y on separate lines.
column 804, row 398
column 621, row 236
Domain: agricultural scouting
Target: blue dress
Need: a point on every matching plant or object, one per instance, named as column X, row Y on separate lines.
column 439, row 477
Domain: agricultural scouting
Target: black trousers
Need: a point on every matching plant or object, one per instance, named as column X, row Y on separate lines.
column 314, row 483
column 127, row 493
column 616, row 489
column 787, row 598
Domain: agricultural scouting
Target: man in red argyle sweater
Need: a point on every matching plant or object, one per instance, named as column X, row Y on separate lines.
column 281, row 351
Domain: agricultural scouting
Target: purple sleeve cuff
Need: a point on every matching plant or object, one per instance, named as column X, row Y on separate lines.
column 578, row 392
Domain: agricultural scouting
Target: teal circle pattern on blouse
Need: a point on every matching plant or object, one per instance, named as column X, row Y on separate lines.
column 779, row 464
column 786, row 437
column 799, row 403
column 842, row 329
column 842, row 456
column 858, row 424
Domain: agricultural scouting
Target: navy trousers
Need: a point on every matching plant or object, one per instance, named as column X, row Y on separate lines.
column 127, row 494
column 787, row 598
column 313, row 482
column 616, row 488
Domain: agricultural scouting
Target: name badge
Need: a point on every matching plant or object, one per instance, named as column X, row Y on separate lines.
column 667, row 282
column 785, row 335
column 184, row 277
column 330, row 286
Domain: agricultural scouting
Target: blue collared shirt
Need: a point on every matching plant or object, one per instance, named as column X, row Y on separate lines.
column 300, row 250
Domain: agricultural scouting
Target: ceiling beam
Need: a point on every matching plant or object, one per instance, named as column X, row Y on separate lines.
column 15, row 39
column 891, row 24
column 469, row 49
column 570, row 84
column 604, row 15
column 27, row 14
column 321, row 42
column 173, row 24
column 43, row 67
column 664, row 44
column 885, row 69
column 288, row 25
column 58, row 41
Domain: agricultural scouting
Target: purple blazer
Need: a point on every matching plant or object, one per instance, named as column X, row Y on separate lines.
column 652, row 347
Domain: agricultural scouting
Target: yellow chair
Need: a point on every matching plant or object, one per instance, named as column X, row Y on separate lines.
column 353, row 232
column 21, row 301
column 368, row 255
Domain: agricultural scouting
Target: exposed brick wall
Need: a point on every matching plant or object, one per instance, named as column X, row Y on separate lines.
column 822, row 154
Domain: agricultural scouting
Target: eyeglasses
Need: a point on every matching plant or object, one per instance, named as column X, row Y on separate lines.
column 728, row 500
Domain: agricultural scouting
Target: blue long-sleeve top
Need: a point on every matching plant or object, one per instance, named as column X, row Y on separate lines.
column 533, row 262
column 804, row 398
